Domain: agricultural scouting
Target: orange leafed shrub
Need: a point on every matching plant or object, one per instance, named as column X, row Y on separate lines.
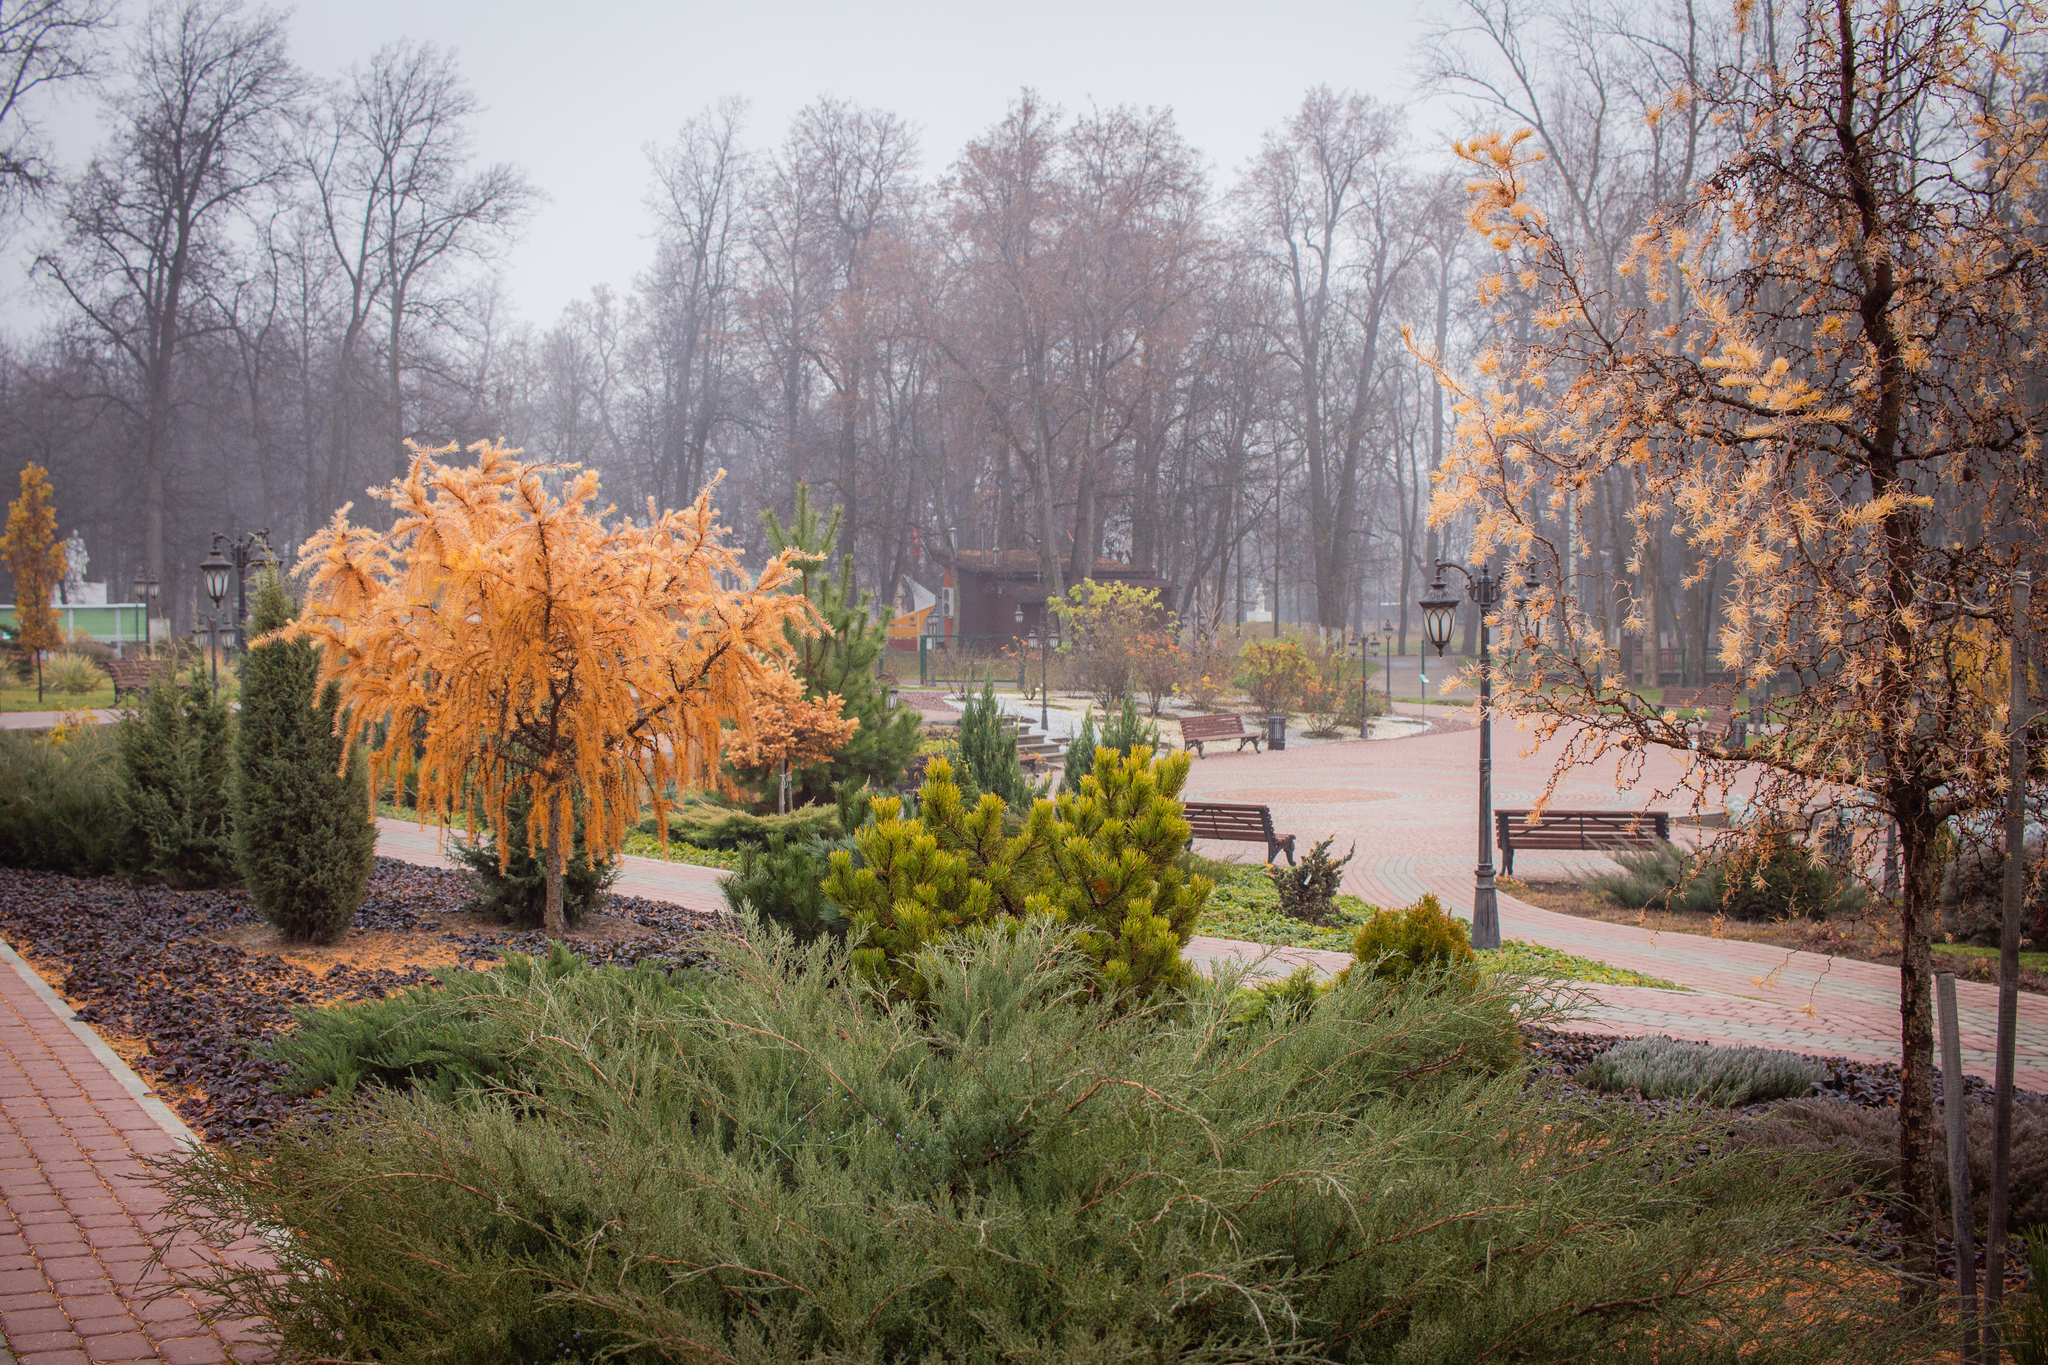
column 503, row 637
column 795, row 731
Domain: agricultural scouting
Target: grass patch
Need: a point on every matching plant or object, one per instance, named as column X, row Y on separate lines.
column 2029, row 962
column 24, row 699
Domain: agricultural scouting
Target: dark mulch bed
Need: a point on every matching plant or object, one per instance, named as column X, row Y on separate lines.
column 138, row 962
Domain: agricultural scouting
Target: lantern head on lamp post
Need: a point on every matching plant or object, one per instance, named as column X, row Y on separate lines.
column 213, row 572
column 1439, row 614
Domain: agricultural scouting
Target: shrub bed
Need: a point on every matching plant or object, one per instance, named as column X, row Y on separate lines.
column 777, row 1162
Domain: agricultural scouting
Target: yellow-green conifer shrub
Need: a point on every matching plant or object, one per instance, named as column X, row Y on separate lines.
column 1101, row 860
column 1397, row 944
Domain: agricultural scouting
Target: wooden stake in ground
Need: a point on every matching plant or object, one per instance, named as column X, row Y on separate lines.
column 1953, row 1100
column 499, row 636
column 2009, row 961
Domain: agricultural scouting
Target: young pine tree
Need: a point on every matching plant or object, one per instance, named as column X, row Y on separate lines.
column 1080, row 754
column 176, row 755
column 840, row 659
column 988, row 752
column 303, row 833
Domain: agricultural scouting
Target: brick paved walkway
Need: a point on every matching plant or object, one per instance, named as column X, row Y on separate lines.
column 1409, row 806
column 77, row 1214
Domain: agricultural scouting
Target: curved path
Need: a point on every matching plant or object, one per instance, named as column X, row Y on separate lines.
column 1410, row 806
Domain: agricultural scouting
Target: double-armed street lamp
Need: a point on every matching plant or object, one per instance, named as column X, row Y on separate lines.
column 1439, row 616
column 146, row 590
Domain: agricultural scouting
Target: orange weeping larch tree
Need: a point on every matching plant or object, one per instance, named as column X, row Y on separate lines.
column 501, row 636
column 1816, row 380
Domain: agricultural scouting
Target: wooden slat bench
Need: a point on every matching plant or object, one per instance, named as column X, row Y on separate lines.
column 1578, row 830
column 138, row 675
column 1195, row 731
column 1241, row 823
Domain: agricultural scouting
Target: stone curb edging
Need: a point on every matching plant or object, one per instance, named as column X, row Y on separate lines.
column 137, row 1089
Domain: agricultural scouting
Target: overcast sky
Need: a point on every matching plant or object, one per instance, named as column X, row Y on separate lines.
column 574, row 92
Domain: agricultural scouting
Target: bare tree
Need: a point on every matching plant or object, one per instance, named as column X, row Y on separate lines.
column 43, row 43
column 198, row 134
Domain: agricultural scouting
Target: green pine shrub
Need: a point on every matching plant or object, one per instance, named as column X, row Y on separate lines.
column 1666, row 1069
column 304, row 836
column 177, row 757
column 1105, row 861
column 772, row 1163
column 1080, row 757
column 1308, row 889
column 988, row 752
column 840, row 659
column 1423, row 940
column 1127, row 730
column 61, row 805
column 783, row 883
column 517, row 892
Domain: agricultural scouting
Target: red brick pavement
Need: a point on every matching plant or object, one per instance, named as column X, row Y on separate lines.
column 78, row 1215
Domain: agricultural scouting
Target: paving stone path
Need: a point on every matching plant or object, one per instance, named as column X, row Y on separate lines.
column 77, row 1214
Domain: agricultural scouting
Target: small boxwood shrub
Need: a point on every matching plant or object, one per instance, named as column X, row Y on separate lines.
column 1424, row 939
column 1663, row 1068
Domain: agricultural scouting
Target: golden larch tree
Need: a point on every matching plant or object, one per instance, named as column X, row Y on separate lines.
column 502, row 636
column 36, row 557
column 1818, row 381
column 795, row 731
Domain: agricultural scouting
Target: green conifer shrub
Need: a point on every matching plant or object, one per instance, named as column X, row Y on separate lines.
column 304, row 836
column 1080, row 759
column 769, row 1164
column 1423, row 940
column 1127, row 730
column 783, row 883
column 61, row 806
column 841, row 658
column 1308, row 889
column 177, row 759
column 988, row 752
column 1105, row 861
column 517, row 893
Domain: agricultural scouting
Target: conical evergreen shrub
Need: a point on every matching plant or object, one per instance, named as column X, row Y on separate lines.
column 176, row 756
column 303, row 834
column 988, row 751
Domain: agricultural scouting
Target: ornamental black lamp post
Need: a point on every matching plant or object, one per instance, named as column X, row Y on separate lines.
column 251, row 549
column 1046, row 637
column 1366, row 649
column 1387, row 634
column 146, row 588
column 1439, row 615
column 214, row 570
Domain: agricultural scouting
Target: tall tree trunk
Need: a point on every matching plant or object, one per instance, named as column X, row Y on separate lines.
column 1918, row 830
column 555, row 922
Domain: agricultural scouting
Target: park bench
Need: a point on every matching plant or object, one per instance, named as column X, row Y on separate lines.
column 137, row 675
column 1578, row 830
column 1195, row 731
column 1244, row 824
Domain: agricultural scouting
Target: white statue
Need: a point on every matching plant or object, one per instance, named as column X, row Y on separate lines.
column 75, row 560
